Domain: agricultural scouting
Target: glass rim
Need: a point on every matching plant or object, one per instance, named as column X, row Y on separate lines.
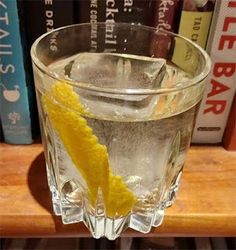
column 124, row 91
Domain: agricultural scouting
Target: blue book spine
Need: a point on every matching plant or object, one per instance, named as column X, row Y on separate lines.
column 14, row 105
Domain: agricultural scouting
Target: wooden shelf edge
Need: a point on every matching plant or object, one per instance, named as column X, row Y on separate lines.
column 205, row 204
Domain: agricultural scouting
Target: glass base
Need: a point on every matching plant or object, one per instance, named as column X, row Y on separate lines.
column 73, row 207
column 70, row 202
column 101, row 226
column 111, row 228
column 173, row 190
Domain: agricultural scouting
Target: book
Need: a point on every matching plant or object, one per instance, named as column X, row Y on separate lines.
column 194, row 24
column 220, row 89
column 195, row 20
column 110, row 12
column 229, row 138
column 15, row 91
column 138, row 11
column 166, row 16
column 50, row 14
column 42, row 16
column 39, row 17
column 1, row 133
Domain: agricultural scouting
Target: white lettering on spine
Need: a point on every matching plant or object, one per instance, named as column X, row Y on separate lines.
column 163, row 8
column 111, row 11
column 49, row 23
column 5, row 48
column 93, row 21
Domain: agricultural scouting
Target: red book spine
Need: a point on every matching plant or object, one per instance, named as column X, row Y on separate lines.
column 166, row 14
column 165, row 17
column 229, row 139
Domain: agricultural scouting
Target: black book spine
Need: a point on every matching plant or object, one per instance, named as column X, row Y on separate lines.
column 42, row 16
column 37, row 18
column 129, row 11
column 111, row 12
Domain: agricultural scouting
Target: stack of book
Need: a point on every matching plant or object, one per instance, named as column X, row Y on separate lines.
column 209, row 23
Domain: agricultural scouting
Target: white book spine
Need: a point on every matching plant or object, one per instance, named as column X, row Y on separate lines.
column 221, row 83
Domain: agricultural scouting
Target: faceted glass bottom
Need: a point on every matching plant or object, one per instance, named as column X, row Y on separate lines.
column 101, row 226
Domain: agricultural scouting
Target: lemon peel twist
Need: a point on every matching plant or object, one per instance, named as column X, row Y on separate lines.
column 64, row 110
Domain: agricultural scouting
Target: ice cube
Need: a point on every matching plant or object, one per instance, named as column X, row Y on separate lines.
column 117, row 71
column 120, row 107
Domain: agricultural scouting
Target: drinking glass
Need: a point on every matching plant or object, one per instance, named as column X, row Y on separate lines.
column 117, row 104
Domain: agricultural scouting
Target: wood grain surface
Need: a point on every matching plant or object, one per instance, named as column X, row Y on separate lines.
column 205, row 205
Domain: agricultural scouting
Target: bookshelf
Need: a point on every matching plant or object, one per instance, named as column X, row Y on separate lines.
column 205, row 205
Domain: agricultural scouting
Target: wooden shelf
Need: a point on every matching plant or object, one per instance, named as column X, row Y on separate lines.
column 205, row 206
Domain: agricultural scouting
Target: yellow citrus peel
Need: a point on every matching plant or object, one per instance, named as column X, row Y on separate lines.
column 64, row 110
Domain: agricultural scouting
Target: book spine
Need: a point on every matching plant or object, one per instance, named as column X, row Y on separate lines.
column 195, row 20
column 39, row 17
column 129, row 11
column 14, row 108
column 50, row 14
column 166, row 14
column 194, row 24
column 1, row 132
column 229, row 139
column 165, row 17
column 215, row 106
column 111, row 12
column 42, row 16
